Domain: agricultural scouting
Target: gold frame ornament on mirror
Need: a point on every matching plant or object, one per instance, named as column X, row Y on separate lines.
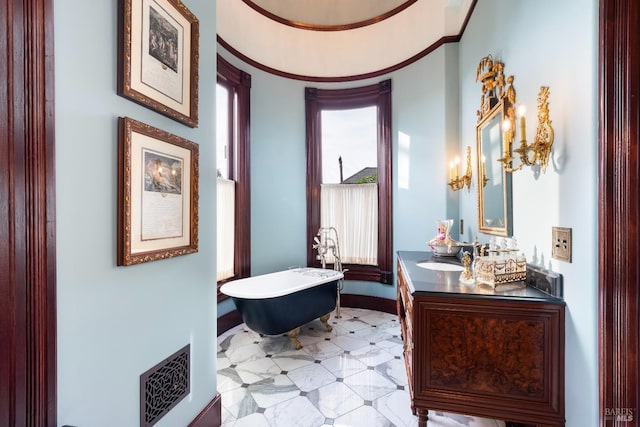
column 497, row 112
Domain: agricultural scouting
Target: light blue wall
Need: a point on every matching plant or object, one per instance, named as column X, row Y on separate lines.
column 114, row 323
column 278, row 173
column 553, row 44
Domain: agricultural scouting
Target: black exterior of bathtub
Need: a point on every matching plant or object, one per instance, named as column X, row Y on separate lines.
column 275, row 316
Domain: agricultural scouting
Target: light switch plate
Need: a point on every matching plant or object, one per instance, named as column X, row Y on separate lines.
column 561, row 241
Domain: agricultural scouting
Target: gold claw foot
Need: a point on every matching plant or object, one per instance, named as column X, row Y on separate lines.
column 293, row 336
column 325, row 321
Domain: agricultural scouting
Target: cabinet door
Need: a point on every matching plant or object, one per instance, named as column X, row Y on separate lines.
column 502, row 359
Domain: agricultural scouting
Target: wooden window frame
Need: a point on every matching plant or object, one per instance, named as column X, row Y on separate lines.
column 238, row 84
column 316, row 100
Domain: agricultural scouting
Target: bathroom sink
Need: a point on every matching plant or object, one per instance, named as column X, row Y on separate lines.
column 440, row 266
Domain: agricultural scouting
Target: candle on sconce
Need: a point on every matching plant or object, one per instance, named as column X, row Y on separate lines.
column 450, row 171
column 457, row 167
column 523, row 132
column 506, row 127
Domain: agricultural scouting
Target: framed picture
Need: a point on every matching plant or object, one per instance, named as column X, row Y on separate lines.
column 157, row 194
column 158, row 57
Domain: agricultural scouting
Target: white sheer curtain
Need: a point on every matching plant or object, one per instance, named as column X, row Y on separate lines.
column 225, row 227
column 353, row 210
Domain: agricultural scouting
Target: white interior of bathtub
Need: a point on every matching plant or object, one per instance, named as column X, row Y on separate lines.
column 279, row 283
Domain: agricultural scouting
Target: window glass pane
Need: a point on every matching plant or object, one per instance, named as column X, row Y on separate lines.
column 349, row 135
column 225, row 228
column 225, row 188
column 222, row 131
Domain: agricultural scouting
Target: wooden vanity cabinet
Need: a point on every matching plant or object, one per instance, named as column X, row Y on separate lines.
column 485, row 354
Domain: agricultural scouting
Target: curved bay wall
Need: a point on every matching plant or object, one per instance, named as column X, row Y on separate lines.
column 425, row 124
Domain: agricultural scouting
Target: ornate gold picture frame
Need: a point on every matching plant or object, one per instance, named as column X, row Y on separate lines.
column 157, row 194
column 158, row 57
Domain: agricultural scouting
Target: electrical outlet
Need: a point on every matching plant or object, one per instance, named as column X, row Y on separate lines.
column 561, row 249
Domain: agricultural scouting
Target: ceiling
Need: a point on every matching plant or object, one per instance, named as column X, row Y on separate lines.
column 328, row 15
column 328, row 40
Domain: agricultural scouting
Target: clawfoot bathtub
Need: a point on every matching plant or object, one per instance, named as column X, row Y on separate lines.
column 281, row 302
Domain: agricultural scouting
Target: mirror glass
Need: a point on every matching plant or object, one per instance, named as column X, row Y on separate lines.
column 494, row 184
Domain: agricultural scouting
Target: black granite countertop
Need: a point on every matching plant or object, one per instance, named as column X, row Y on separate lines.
column 423, row 281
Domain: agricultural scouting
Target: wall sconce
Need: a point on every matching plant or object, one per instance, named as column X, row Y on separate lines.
column 541, row 146
column 457, row 182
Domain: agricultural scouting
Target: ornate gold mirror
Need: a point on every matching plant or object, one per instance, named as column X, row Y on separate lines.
column 494, row 133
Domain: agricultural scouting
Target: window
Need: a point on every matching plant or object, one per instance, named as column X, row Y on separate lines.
column 233, row 179
column 372, row 211
column 349, row 189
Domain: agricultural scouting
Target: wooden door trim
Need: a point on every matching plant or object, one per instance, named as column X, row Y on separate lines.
column 619, row 171
column 27, row 219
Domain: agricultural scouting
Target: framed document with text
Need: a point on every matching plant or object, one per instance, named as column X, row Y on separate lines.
column 157, row 194
column 158, row 57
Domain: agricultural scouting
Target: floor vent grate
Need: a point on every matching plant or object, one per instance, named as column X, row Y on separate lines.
column 163, row 386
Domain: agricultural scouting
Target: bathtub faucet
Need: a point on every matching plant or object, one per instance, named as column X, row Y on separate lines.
column 326, row 243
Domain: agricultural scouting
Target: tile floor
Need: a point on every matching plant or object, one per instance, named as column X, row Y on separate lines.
column 352, row 376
